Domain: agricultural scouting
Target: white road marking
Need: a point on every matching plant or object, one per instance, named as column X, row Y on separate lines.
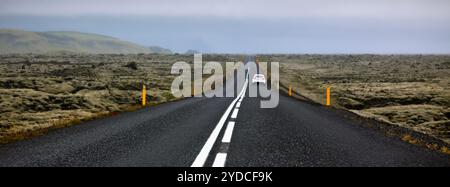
column 228, row 132
column 220, row 160
column 235, row 113
column 240, row 98
column 243, row 95
column 203, row 155
column 238, row 105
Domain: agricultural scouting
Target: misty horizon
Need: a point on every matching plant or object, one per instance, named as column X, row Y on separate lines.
column 306, row 27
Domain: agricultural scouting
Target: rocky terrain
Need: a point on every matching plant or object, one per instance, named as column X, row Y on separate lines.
column 39, row 92
column 411, row 91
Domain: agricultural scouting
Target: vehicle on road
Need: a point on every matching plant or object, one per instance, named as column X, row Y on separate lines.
column 258, row 78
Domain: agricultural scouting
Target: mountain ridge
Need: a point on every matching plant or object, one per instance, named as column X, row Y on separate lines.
column 21, row 41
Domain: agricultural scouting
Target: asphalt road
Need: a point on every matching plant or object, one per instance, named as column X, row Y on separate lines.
column 208, row 132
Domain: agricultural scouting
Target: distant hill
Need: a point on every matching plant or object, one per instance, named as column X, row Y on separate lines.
column 19, row 41
column 191, row 51
column 157, row 49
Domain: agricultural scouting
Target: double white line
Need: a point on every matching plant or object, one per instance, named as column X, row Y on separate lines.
column 220, row 157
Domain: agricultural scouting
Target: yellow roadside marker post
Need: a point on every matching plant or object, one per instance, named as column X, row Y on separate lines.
column 328, row 96
column 144, row 95
column 290, row 90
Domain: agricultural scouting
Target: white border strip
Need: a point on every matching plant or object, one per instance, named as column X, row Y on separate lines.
column 220, row 160
column 235, row 113
column 228, row 132
column 203, row 155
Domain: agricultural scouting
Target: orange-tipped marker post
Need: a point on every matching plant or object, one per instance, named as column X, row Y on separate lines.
column 144, row 95
column 328, row 96
column 290, row 90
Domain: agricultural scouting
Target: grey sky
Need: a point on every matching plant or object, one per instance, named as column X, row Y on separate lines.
column 255, row 26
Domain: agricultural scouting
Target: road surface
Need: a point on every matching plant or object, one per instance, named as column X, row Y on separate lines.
column 220, row 132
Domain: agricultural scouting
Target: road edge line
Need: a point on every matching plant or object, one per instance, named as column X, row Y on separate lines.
column 204, row 153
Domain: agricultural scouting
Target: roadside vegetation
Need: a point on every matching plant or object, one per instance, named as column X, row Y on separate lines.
column 39, row 92
column 411, row 91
